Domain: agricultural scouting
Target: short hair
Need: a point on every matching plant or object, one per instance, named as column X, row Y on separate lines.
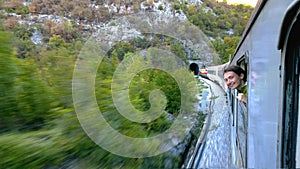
column 236, row 69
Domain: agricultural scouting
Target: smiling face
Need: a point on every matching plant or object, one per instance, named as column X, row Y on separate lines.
column 233, row 81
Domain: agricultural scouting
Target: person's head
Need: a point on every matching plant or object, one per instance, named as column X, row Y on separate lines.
column 235, row 77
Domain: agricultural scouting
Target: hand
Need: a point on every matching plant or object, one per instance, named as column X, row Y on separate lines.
column 242, row 97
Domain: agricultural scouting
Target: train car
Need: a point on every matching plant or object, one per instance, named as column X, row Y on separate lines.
column 203, row 72
column 269, row 51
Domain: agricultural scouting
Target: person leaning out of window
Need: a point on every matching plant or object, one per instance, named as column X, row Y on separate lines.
column 235, row 78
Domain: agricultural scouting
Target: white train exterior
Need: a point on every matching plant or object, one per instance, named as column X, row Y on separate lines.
column 269, row 51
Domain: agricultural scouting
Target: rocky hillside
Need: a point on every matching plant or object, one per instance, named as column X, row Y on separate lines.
column 40, row 20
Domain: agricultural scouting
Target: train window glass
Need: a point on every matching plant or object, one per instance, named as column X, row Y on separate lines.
column 243, row 64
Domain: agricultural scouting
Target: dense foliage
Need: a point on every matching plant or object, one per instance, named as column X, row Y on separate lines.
column 37, row 110
column 222, row 22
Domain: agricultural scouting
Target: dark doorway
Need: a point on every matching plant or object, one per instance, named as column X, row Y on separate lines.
column 291, row 98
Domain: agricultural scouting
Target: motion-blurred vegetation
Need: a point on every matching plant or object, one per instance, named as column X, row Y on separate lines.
column 39, row 127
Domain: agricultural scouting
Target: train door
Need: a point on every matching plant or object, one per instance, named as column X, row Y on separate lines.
column 290, row 143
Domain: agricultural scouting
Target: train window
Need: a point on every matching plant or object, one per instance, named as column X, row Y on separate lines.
column 243, row 63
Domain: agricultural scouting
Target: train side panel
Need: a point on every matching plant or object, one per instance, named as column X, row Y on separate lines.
column 215, row 73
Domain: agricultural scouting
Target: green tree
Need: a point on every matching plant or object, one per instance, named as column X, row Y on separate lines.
column 26, row 100
column 120, row 49
column 225, row 47
column 178, row 50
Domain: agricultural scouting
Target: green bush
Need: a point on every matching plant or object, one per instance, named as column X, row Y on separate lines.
column 30, row 150
column 25, row 103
